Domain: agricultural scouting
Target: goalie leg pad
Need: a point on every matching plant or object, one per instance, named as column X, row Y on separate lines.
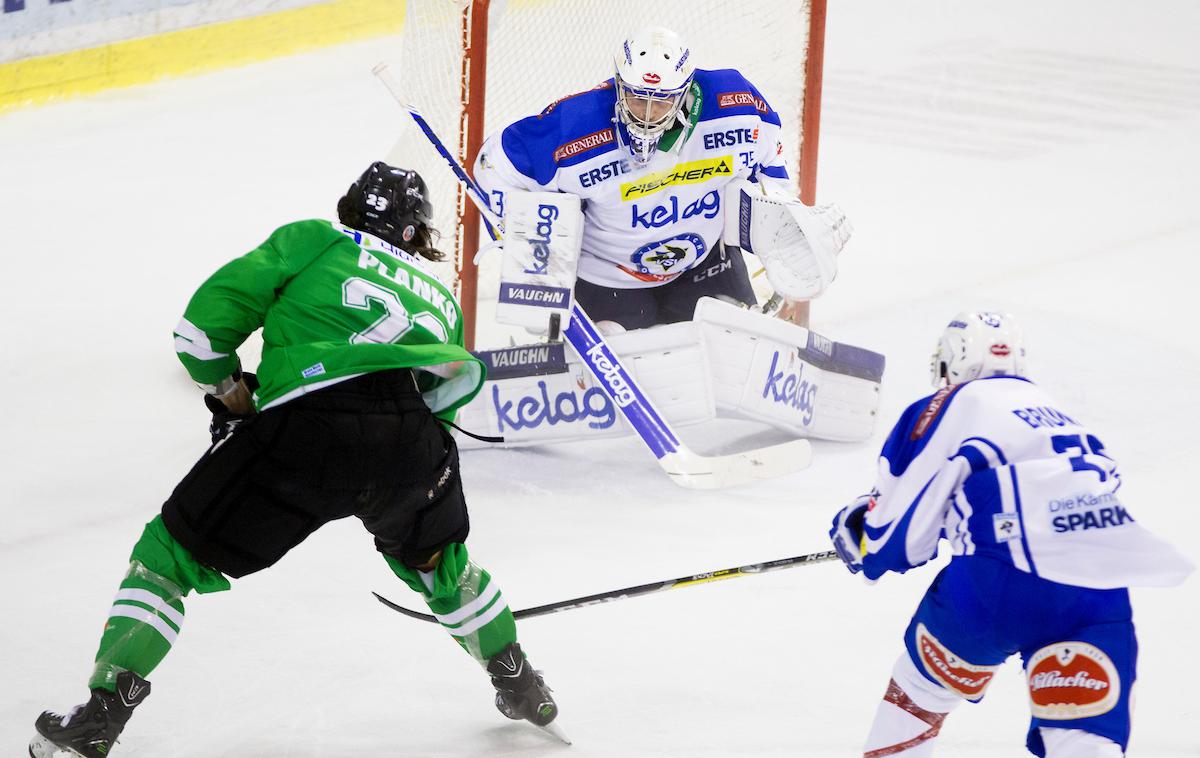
column 538, row 395
column 786, row 376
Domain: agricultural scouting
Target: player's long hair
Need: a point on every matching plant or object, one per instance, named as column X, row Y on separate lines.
column 424, row 244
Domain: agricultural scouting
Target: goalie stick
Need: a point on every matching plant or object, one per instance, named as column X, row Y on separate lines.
column 685, row 467
column 642, row 589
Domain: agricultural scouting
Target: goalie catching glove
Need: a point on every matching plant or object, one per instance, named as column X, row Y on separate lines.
column 798, row 244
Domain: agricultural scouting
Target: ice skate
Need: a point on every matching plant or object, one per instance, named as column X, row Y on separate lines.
column 89, row 730
column 521, row 693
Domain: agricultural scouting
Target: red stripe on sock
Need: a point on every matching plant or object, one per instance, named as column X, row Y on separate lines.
column 901, row 700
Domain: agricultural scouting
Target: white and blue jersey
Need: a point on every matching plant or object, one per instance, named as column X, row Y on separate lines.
column 996, row 467
column 644, row 225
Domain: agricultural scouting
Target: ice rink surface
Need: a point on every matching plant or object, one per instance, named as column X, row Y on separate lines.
column 1021, row 155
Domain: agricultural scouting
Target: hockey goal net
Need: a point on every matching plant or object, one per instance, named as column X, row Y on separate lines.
column 472, row 66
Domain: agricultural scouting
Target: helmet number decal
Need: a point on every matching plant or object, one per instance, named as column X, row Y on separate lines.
column 378, row 202
column 396, row 321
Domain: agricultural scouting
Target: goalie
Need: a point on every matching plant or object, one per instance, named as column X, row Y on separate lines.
column 641, row 200
column 635, row 200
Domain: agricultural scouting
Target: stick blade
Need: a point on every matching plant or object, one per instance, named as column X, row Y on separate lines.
column 401, row 609
column 700, row 472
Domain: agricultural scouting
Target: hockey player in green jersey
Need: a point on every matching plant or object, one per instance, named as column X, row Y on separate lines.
column 362, row 362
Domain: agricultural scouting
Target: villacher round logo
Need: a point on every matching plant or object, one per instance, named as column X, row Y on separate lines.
column 1072, row 680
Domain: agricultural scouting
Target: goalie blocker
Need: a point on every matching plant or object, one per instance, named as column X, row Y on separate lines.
column 727, row 361
column 543, row 234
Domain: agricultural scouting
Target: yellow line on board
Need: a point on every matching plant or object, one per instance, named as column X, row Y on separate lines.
column 203, row 48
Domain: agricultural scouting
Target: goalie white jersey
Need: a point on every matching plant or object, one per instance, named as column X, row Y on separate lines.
column 1000, row 470
column 644, row 225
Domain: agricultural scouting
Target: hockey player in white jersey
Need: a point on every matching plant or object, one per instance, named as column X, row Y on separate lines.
column 1043, row 553
column 660, row 155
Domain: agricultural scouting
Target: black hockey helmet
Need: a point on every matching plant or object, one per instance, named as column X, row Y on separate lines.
column 391, row 203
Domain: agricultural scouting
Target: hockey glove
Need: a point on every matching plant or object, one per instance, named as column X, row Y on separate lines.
column 224, row 421
column 847, row 533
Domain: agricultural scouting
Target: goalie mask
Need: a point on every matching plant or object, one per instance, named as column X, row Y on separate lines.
column 977, row 345
column 653, row 74
column 390, row 203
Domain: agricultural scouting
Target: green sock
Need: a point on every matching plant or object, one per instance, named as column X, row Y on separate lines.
column 466, row 602
column 147, row 613
column 143, row 622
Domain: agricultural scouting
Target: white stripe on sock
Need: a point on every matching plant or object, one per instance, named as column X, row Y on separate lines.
column 471, row 608
column 154, row 601
column 480, row 621
column 146, row 617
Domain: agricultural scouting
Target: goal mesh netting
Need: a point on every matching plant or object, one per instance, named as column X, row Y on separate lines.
column 538, row 51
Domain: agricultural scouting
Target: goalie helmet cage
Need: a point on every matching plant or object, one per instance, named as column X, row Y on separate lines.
column 472, row 66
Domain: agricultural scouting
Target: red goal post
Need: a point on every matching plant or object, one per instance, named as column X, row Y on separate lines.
column 472, row 66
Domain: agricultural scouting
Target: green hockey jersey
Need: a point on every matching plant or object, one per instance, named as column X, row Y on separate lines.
column 332, row 302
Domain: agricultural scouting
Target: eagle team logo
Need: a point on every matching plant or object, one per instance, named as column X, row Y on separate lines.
column 952, row 672
column 1072, row 680
column 664, row 260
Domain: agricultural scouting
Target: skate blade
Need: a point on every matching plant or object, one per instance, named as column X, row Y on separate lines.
column 40, row 747
column 554, row 730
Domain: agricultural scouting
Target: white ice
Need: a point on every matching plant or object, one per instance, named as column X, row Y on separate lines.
column 1030, row 156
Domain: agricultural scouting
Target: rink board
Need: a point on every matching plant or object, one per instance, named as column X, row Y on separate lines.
column 202, row 36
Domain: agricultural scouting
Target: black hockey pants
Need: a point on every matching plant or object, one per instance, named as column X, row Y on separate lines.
column 366, row 447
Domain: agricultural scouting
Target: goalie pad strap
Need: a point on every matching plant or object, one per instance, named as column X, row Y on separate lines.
column 841, row 358
column 524, row 360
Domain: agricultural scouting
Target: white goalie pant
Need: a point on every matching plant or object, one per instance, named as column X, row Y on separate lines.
column 910, row 717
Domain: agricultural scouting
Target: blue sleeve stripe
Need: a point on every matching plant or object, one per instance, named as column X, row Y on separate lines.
column 893, row 555
column 775, row 172
column 1016, row 490
column 992, row 446
column 977, row 460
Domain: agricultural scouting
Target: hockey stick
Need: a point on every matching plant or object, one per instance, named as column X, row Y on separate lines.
column 685, row 467
column 642, row 589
